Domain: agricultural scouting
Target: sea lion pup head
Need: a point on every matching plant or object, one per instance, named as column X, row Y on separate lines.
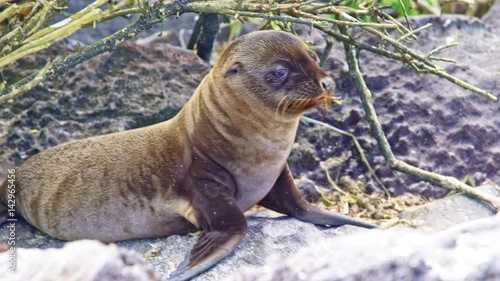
column 276, row 68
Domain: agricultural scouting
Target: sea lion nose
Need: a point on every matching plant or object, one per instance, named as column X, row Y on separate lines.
column 326, row 83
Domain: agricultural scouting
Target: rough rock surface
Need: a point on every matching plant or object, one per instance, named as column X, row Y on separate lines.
column 266, row 237
column 84, row 260
column 465, row 252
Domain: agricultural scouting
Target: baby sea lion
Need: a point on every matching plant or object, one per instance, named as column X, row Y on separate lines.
column 223, row 153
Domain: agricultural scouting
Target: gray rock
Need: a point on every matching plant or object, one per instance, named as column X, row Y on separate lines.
column 84, row 260
column 266, row 237
column 492, row 18
column 452, row 210
column 467, row 252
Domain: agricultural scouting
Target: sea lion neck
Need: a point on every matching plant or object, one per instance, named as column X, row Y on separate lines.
column 216, row 110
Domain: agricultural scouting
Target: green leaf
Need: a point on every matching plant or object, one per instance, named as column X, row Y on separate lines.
column 327, row 202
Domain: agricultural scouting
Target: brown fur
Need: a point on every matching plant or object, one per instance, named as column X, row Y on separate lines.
column 236, row 130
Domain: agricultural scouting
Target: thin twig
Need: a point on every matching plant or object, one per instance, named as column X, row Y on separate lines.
column 298, row 13
column 443, row 59
column 402, row 29
column 414, row 31
column 437, row 49
column 28, row 86
column 405, row 14
column 442, row 73
column 326, row 51
column 356, row 143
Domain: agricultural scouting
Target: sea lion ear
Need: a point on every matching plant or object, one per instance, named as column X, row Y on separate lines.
column 235, row 68
column 314, row 56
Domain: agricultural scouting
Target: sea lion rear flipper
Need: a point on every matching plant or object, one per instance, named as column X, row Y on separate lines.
column 224, row 227
column 285, row 198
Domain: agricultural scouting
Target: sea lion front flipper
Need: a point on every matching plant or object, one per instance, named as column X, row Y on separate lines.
column 211, row 248
column 285, row 198
column 224, row 227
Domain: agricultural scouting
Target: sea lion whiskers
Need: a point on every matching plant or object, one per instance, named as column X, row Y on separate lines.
column 282, row 106
column 298, row 103
column 303, row 71
column 287, row 105
column 329, row 100
column 281, row 103
column 305, row 102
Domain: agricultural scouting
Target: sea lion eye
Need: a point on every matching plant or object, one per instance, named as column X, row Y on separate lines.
column 277, row 75
column 280, row 73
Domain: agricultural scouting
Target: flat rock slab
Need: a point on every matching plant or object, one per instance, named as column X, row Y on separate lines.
column 452, row 210
column 466, row 252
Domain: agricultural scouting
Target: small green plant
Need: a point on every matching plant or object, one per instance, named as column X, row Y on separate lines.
column 402, row 8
